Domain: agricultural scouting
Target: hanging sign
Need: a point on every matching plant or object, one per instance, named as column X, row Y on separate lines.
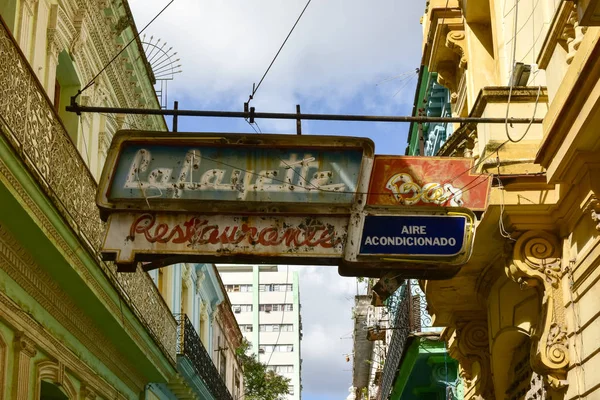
column 411, row 236
column 419, row 242
column 231, row 172
column 427, row 181
column 132, row 237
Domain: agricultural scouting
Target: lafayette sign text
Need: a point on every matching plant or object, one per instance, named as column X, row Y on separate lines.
column 173, row 171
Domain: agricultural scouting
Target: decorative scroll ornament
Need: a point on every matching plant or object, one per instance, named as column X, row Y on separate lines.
column 455, row 40
column 592, row 206
column 472, row 346
column 536, row 263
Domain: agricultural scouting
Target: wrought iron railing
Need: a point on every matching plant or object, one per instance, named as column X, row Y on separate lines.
column 408, row 311
column 189, row 345
column 30, row 124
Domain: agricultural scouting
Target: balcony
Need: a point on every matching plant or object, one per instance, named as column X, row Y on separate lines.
column 37, row 138
column 415, row 348
column 191, row 353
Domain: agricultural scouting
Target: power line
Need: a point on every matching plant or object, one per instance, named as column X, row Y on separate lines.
column 255, row 88
column 135, row 37
column 287, row 277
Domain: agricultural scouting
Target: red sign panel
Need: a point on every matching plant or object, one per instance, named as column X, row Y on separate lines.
column 427, row 181
column 132, row 237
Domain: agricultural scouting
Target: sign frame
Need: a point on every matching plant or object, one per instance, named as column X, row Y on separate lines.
column 433, row 267
column 416, row 176
column 234, row 141
column 145, row 237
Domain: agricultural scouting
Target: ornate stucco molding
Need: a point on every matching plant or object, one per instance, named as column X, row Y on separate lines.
column 447, row 78
column 54, row 372
column 455, row 40
column 470, row 346
column 592, row 206
column 536, row 263
column 36, row 336
column 24, row 350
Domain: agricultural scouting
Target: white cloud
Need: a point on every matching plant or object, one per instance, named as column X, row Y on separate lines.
column 334, row 62
column 340, row 49
column 327, row 300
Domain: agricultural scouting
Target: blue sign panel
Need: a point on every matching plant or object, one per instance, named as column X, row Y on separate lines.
column 414, row 235
column 222, row 173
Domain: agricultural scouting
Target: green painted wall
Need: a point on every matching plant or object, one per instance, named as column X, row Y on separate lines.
column 8, row 12
column 415, row 379
column 18, row 220
column 29, row 305
column 413, row 131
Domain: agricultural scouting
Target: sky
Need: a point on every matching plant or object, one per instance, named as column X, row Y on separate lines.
column 344, row 57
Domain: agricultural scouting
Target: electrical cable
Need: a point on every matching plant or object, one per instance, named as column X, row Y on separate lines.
column 297, row 186
column 258, row 127
column 255, row 89
column 251, row 126
column 406, row 82
column 577, row 322
column 135, row 37
column 511, row 83
column 287, row 275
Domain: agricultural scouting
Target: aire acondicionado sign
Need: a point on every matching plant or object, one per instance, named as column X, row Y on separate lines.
column 212, row 197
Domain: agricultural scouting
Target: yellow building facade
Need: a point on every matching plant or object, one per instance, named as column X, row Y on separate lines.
column 522, row 317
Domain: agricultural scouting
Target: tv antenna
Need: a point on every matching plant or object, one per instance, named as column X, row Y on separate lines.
column 164, row 66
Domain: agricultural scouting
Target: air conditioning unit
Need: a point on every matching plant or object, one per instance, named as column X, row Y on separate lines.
column 520, row 74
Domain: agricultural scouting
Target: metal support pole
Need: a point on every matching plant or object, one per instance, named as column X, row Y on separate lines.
column 298, row 121
column 175, row 108
column 319, row 117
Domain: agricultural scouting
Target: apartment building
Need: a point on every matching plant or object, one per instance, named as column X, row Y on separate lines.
column 266, row 303
column 521, row 317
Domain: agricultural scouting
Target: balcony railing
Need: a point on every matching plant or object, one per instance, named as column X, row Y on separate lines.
column 31, row 125
column 408, row 311
column 190, row 346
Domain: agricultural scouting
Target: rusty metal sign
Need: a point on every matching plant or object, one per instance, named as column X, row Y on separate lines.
column 419, row 242
column 232, row 172
column 132, row 237
column 427, row 181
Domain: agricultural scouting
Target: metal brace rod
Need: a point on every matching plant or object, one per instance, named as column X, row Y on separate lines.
column 76, row 108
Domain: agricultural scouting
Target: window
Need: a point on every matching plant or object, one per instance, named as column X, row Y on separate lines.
column 291, row 389
column 280, row 348
column 276, row 287
column 276, row 307
column 276, row 328
column 238, row 288
column 240, row 308
column 161, row 281
column 246, row 328
column 68, row 83
column 282, row 369
column 222, row 360
column 236, row 385
column 49, row 391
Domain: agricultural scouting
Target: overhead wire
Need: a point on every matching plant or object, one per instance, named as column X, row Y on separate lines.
column 277, row 180
column 255, row 88
column 135, row 37
column 287, row 276
column 511, row 82
column 406, row 82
